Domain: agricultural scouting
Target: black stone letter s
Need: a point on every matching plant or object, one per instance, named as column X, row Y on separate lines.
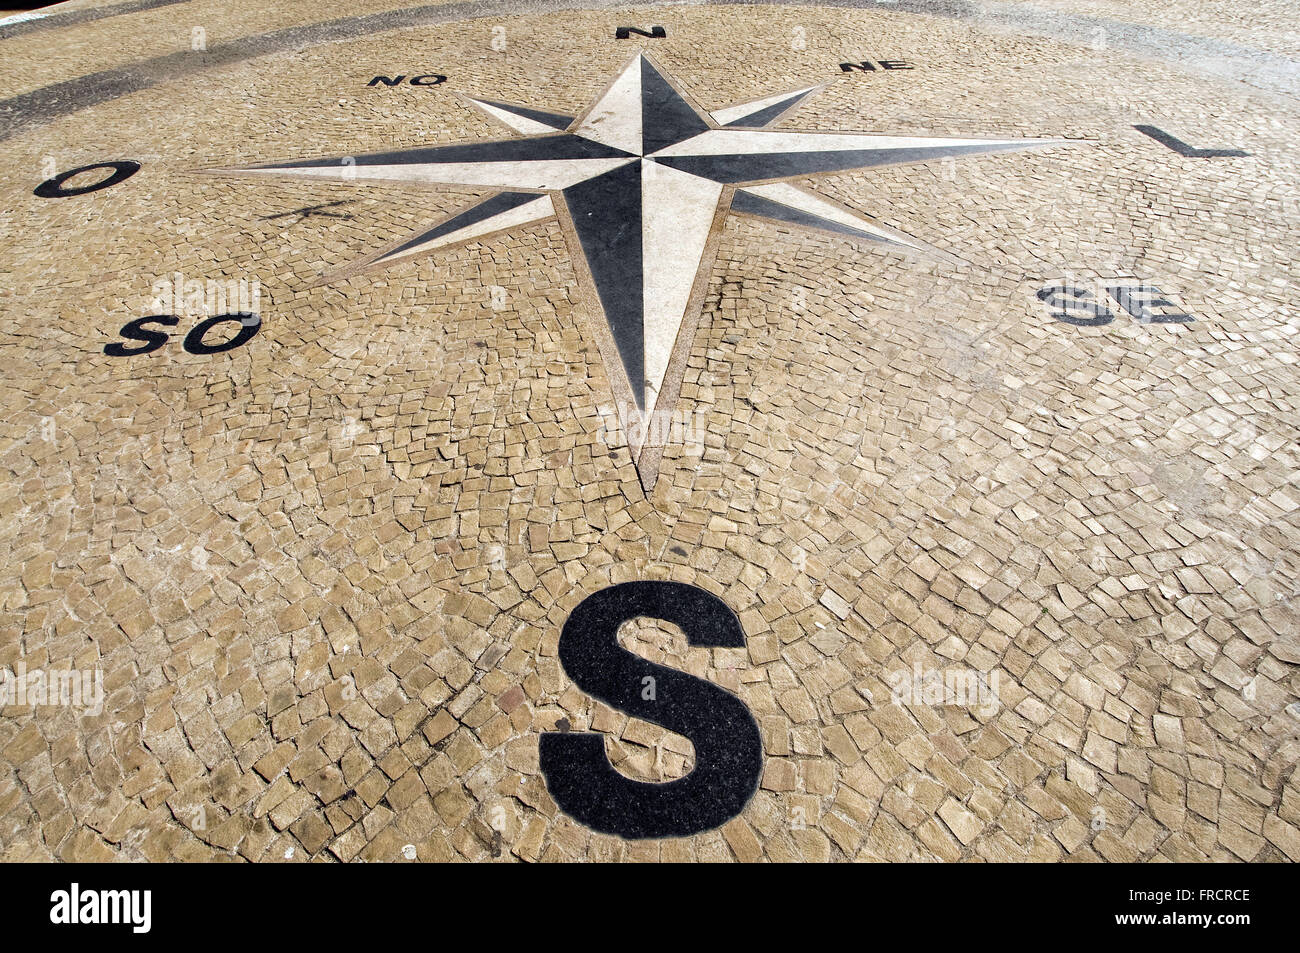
column 728, row 747
column 1076, row 306
column 136, row 331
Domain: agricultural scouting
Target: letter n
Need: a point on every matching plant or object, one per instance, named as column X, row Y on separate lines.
column 625, row 32
column 395, row 81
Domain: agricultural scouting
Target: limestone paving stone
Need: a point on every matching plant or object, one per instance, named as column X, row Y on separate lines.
column 324, row 574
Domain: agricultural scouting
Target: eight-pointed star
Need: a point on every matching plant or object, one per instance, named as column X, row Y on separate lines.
column 643, row 177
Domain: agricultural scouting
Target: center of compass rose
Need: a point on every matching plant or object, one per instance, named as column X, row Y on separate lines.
column 642, row 181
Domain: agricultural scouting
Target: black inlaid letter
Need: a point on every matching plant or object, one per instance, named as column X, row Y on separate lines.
column 54, row 188
column 250, row 324
column 1146, row 303
column 728, row 747
column 1183, row 149
column 1076, row 306
column 136, row 331
column 624, row 32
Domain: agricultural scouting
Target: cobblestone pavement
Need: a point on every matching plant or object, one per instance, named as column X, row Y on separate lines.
column 1013, row 543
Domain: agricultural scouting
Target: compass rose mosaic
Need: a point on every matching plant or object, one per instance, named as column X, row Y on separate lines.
column 643, row 179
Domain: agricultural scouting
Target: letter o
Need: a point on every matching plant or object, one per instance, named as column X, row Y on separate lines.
column 250, row 324
column 54, row 189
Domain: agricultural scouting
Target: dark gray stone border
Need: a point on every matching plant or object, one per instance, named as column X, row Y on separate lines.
column 1225, row 60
